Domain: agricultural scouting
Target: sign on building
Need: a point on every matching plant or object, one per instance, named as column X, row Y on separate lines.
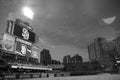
column 8, row 42
column 24, row 33
column 35, row 52
column 23, row 49
column 23, row 41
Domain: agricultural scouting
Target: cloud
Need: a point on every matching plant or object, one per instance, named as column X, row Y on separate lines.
column 67, row 23
column 109, row 20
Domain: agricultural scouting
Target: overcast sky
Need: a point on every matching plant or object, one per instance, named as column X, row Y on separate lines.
column 67, row 26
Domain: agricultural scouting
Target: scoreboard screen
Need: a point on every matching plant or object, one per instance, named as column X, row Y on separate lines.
column 23, row 49
column 24, row 33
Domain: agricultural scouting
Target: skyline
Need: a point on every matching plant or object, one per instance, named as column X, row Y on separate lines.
column 67, row 27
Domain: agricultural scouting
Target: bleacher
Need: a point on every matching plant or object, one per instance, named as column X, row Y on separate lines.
column 23, row 62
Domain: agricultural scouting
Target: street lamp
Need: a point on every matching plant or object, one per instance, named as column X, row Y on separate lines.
column 28, row 12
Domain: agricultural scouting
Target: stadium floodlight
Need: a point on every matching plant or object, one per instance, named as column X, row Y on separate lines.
column 28, row 12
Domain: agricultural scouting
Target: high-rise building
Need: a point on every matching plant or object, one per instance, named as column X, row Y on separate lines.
column 116, row 43
column 102, row 51
column 45, row 57
column 99, row 48
column 92, row 52
column 66, row 59
column 95, row 50
column 72, row 60
column 72, row 63
column 55, row 62
column 76, row 59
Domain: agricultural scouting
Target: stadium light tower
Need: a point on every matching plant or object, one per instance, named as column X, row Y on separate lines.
column 28, row 12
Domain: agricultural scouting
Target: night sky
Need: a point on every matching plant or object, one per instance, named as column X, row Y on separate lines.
column 67, row 26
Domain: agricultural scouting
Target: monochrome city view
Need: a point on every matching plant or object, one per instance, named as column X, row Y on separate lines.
column 59, row 39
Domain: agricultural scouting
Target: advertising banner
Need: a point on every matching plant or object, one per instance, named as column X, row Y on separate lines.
column 35, row 52
column 23, row 49
column 8, row 42
column 23, row 41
